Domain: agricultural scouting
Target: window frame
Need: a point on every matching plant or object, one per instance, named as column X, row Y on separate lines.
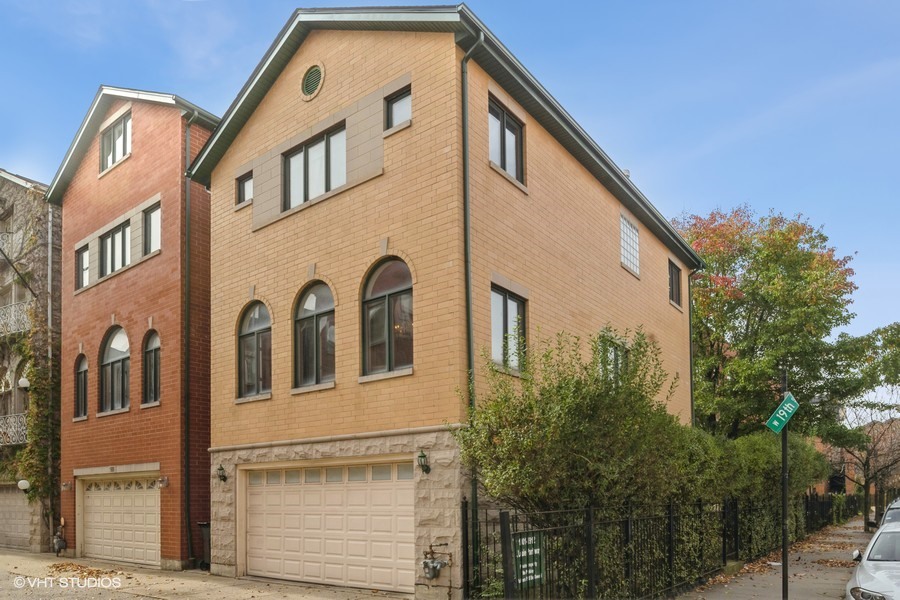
column 627, row 250
column 81, row 389
column 82, row 270
column 504, row 116
column 241, row 194
column 125, row 248
column 125, row 121
column 151, row 393
column 303, row 149
column 315, row 318
column 148, row 215
column 674, row 284
column 256, row 335
column 391, row 101
column 385, row 300
column 522, row 339
column 108, row 376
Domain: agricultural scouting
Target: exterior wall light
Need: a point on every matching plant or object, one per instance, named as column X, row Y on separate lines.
column 24, row 383
column 163, row 481
column 422, row 459
column 65, row 486
column 221, row 473
column 24, row 485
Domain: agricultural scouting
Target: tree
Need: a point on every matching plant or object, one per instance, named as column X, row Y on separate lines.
column 870, row 439
column 583, row 428
column 768, row 299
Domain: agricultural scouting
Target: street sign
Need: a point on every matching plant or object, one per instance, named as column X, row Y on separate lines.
column 783, row 413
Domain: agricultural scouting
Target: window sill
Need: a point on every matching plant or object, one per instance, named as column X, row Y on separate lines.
column 676, row 306
column 114, row 165
column 308, row 389
column 256, row 398
column 310, row 203
column 110, row 413
column 122, row 270
column 398, row 127
column 512, row 372
column 630, row 270
column 387, row 375
column 509, row 178
column 149, row 405
column 79, row 419
column 243, row 204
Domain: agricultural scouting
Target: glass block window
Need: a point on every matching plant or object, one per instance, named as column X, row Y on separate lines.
column 630, row 246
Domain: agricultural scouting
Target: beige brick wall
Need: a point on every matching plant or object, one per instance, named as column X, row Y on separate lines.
column 560, row 240
column 414, row 203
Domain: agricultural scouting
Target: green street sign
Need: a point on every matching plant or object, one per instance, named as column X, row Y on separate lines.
column 783, row 413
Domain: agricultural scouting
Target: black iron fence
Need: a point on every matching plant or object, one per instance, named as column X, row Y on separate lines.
column 636, row 552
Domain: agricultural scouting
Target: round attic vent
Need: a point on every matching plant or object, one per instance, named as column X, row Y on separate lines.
column 312, row 81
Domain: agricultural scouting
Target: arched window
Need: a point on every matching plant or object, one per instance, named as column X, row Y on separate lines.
column 388, row 318
column 151, row 369
column 314, row 337
column 255, row 351
column 115, row 369
column 81, row 371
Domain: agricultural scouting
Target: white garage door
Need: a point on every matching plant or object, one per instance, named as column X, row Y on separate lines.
column 15, row 518
column 121, row 520
column 349, row 526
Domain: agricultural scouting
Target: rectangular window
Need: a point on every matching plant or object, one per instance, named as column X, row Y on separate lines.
column 81, row 392
column 614, row 361
column 674, row 284
column 115, row 249
column 507, row 328
column 152, row 230
column 505, row 134
column 82, row 267
column 115, row 142
column 317, row 167
column 399, row 108
column 245, row 188
column 630, row 246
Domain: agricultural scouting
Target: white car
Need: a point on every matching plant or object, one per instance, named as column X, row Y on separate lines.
column 877, row 577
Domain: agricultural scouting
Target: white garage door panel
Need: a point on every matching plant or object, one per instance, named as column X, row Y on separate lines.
column 15, row 518
column 324, row 527
column 121, row 520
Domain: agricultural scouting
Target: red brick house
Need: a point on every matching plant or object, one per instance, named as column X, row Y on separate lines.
column 134, row 421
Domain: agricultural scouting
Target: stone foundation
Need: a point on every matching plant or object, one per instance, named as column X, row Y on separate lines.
column 438, row 494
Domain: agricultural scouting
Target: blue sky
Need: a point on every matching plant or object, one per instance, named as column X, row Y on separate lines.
column 787, row 105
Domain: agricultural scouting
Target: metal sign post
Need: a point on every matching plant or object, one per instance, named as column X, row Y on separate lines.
column 778, row 423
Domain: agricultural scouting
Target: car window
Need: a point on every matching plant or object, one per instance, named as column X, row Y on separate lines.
column 886, row 547
column 892, row 516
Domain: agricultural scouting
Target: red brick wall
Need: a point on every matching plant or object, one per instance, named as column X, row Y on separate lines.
column 148, row 289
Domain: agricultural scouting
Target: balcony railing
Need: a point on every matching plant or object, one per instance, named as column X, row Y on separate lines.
column 13, row 430
column 14, row 318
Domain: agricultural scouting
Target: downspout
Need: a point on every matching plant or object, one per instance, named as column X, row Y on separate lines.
column 467, row 244
column 50, row 358
column 690, row 299
column 186, row 350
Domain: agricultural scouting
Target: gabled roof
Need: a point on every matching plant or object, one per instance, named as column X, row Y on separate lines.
column 492, row 56
column 23, row 181
column 91, row 123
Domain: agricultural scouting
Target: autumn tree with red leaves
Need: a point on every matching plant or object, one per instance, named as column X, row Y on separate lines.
column 770, row 296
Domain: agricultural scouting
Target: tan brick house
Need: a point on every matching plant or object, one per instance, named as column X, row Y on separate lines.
column 381, row 172
column 134, row 418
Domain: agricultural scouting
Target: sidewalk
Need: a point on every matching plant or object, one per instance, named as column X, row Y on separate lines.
column 39, row 576
column 819, row 567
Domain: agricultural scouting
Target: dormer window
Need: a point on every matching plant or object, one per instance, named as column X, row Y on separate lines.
column 115, row 142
